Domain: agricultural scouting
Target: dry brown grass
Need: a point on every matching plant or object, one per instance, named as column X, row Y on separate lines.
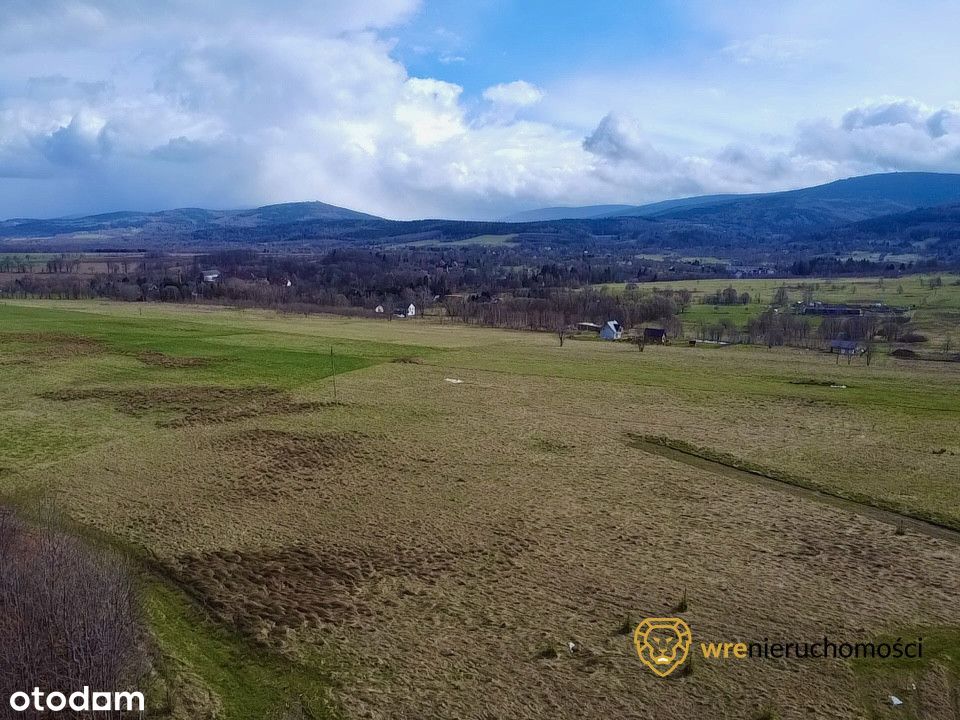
column 275, row 464
column 184, row 405
column 268, row 593
column 159, row 359
column 44, row 346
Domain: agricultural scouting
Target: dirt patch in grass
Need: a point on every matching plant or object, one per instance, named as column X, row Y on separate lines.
column 51, row 345
column 819, row 383
column 184, row 405
column 159, row 359
column 265, row 593
column 274, row 464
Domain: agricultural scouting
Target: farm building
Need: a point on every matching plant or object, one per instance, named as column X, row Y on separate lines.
column 611, row 330
column 378, row 309
column 588, row 327
column 655, row 335
column 827, row 309
column 847, row 347
column 409, row 311
column 211, row 275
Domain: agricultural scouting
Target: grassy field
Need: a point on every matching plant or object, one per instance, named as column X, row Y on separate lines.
column 364, row 534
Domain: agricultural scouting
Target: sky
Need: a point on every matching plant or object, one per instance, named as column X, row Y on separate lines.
column 470, row 109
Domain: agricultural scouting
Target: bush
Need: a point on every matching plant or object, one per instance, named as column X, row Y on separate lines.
column 913, row 337
column 68, row 616
column 904, row 354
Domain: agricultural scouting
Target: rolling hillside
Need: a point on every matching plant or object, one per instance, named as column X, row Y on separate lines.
column 179, row 220
column 848, row 200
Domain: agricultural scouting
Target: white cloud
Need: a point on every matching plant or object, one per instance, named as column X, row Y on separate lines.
column 519, row 93
column 770, row 50
column 884, row 136
column 893, row 134
column 106, row 104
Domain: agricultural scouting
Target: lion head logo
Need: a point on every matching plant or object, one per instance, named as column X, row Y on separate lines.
column 662, row 644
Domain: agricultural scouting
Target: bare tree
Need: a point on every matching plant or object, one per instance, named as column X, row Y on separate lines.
column 68, row 615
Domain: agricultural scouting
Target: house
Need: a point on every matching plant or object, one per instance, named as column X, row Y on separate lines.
column 211, row 275
column 588, row 327
column 655, row 335
column 847, row 347
column 378, row 309
column 611, row 330
column 411, row 310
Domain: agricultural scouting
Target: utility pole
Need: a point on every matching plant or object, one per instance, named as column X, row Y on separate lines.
column 333, row 369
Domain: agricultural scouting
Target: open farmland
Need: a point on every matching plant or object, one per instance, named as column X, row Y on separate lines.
column 934, row 310
column 356, row 528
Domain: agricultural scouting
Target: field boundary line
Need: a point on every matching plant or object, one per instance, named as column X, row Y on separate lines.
column 702, row 459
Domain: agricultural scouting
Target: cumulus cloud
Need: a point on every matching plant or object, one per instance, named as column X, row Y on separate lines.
column 884, row 136
column 108, row 104
column 228, row 117
column 895, row 134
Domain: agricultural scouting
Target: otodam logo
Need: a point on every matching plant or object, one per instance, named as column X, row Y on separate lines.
column 664, row 644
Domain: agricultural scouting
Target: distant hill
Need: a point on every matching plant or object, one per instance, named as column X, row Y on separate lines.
column 571, row 213
column 665, row 207
column 841, row 201
column 823, row 206
column 931, row 231
column 293, row 212
column 180, row 220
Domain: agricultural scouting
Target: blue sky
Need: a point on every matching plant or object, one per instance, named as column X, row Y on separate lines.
column 479, row 44
column 417, row 108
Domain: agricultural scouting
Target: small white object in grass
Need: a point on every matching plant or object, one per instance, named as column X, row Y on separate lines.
column 571, row 646
column 895, row 701
column 841, row 387
column 453, row 380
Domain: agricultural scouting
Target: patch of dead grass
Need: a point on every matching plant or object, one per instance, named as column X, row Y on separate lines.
column 159, row 359
column 264, row 593
column 185, row 405
column 274, row 464
column 51, row 345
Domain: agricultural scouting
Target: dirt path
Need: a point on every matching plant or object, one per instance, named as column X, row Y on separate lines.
column 907, row 522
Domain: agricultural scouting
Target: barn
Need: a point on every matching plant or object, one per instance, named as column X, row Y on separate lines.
column 655, row 335
column 611, row 330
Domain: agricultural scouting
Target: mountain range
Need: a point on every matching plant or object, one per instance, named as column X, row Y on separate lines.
column 884, row 212
column 846, row 200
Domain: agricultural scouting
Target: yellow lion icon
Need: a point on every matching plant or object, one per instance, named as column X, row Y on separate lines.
column 662, row 644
